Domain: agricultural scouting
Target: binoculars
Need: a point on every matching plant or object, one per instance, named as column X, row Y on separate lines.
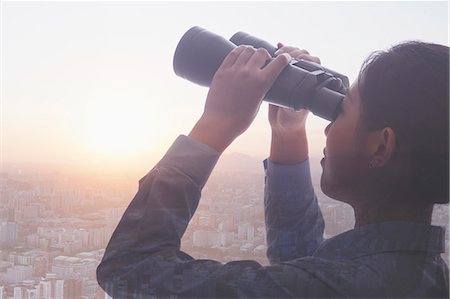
column 301, row 85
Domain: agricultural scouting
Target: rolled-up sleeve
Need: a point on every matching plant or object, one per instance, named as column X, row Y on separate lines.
column 294, row 222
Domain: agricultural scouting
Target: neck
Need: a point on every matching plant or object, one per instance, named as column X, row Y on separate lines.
column 373, row 211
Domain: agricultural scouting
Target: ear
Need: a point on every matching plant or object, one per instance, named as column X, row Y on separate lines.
column 382, row 147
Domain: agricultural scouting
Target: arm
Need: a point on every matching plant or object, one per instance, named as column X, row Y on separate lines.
column 294, row 223
column 143, row 258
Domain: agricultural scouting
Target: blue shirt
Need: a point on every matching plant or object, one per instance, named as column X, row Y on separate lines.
column 143, row 258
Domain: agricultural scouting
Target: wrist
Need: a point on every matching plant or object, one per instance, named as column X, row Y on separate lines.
column 213, row 134
column 289, row 147
column 288, row 134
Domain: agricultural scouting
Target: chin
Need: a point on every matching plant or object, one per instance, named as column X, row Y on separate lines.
column 325, row 186
column 333, row 190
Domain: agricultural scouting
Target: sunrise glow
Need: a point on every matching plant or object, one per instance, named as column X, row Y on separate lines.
column 119, row 129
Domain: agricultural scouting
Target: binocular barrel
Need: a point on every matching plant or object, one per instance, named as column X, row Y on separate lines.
column 301, row 85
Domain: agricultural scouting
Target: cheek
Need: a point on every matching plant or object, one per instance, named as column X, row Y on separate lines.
column 340, row 142
column 344, row 166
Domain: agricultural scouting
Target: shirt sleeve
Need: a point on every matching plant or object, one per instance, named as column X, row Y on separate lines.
column 294, row 222
column 143, row 257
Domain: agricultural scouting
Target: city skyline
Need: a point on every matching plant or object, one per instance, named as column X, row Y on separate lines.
column 54, row 227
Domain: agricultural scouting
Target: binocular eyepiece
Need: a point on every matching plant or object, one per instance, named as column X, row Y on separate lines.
column 301, row 85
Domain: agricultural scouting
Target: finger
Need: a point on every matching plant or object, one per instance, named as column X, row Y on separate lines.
column 273, row 110
column 231, row 58
column 290, row 49
column 245, row 56
column 297, row 53
column 274, row 68
column 259, row 59
column 309, row 58
column 284, row 49
column 280, row 45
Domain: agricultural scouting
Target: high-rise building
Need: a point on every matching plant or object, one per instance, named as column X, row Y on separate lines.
column 97, row 237
column 32, row 293
column 8, row 233
column 73, row 267
column 59, row 288
column 45, row 289
column 17, row 274
column 72, row 288
column 51, row 287
column 18, row 293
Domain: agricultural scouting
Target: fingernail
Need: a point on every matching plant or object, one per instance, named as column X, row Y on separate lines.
column 288, row 57
column 279, row 51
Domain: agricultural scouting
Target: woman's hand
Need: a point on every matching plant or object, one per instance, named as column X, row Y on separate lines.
column 289, row 143
column 235, row 95
column 296, row 53
column 284, row 121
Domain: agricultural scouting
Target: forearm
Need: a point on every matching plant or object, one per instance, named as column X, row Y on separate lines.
column 294, row 222
column 289, row 148
column 217, row 135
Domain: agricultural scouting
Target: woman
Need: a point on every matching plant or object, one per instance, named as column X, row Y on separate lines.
column 386, row 155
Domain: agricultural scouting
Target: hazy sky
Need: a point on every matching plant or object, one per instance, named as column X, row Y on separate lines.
column 92, row 82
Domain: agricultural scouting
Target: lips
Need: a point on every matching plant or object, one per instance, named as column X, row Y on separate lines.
column 324, row 156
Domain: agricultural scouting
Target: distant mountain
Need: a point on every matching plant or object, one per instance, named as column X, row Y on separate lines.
column 244, row 163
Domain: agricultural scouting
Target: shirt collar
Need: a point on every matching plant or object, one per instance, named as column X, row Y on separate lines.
column 383, row 237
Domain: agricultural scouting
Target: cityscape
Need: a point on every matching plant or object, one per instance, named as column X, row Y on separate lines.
column 54, row 227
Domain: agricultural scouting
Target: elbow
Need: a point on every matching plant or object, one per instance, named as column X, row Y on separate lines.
column 104, row 277
column 110, row 280
column 272, row 256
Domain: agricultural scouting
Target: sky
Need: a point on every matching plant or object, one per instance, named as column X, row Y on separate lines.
column 91, row 84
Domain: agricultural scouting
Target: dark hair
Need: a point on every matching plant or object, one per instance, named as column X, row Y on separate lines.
column 406, row 88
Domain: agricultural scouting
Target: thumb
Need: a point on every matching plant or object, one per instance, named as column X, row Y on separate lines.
column 273, row 110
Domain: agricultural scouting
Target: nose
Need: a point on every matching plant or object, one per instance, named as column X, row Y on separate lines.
column 327, row 128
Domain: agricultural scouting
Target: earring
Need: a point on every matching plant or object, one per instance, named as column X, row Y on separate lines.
column 374, row 163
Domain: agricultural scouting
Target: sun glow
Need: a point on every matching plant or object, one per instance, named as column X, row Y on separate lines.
column 118, row 128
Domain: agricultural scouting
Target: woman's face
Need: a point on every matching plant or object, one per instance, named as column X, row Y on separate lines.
column 345, row 163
